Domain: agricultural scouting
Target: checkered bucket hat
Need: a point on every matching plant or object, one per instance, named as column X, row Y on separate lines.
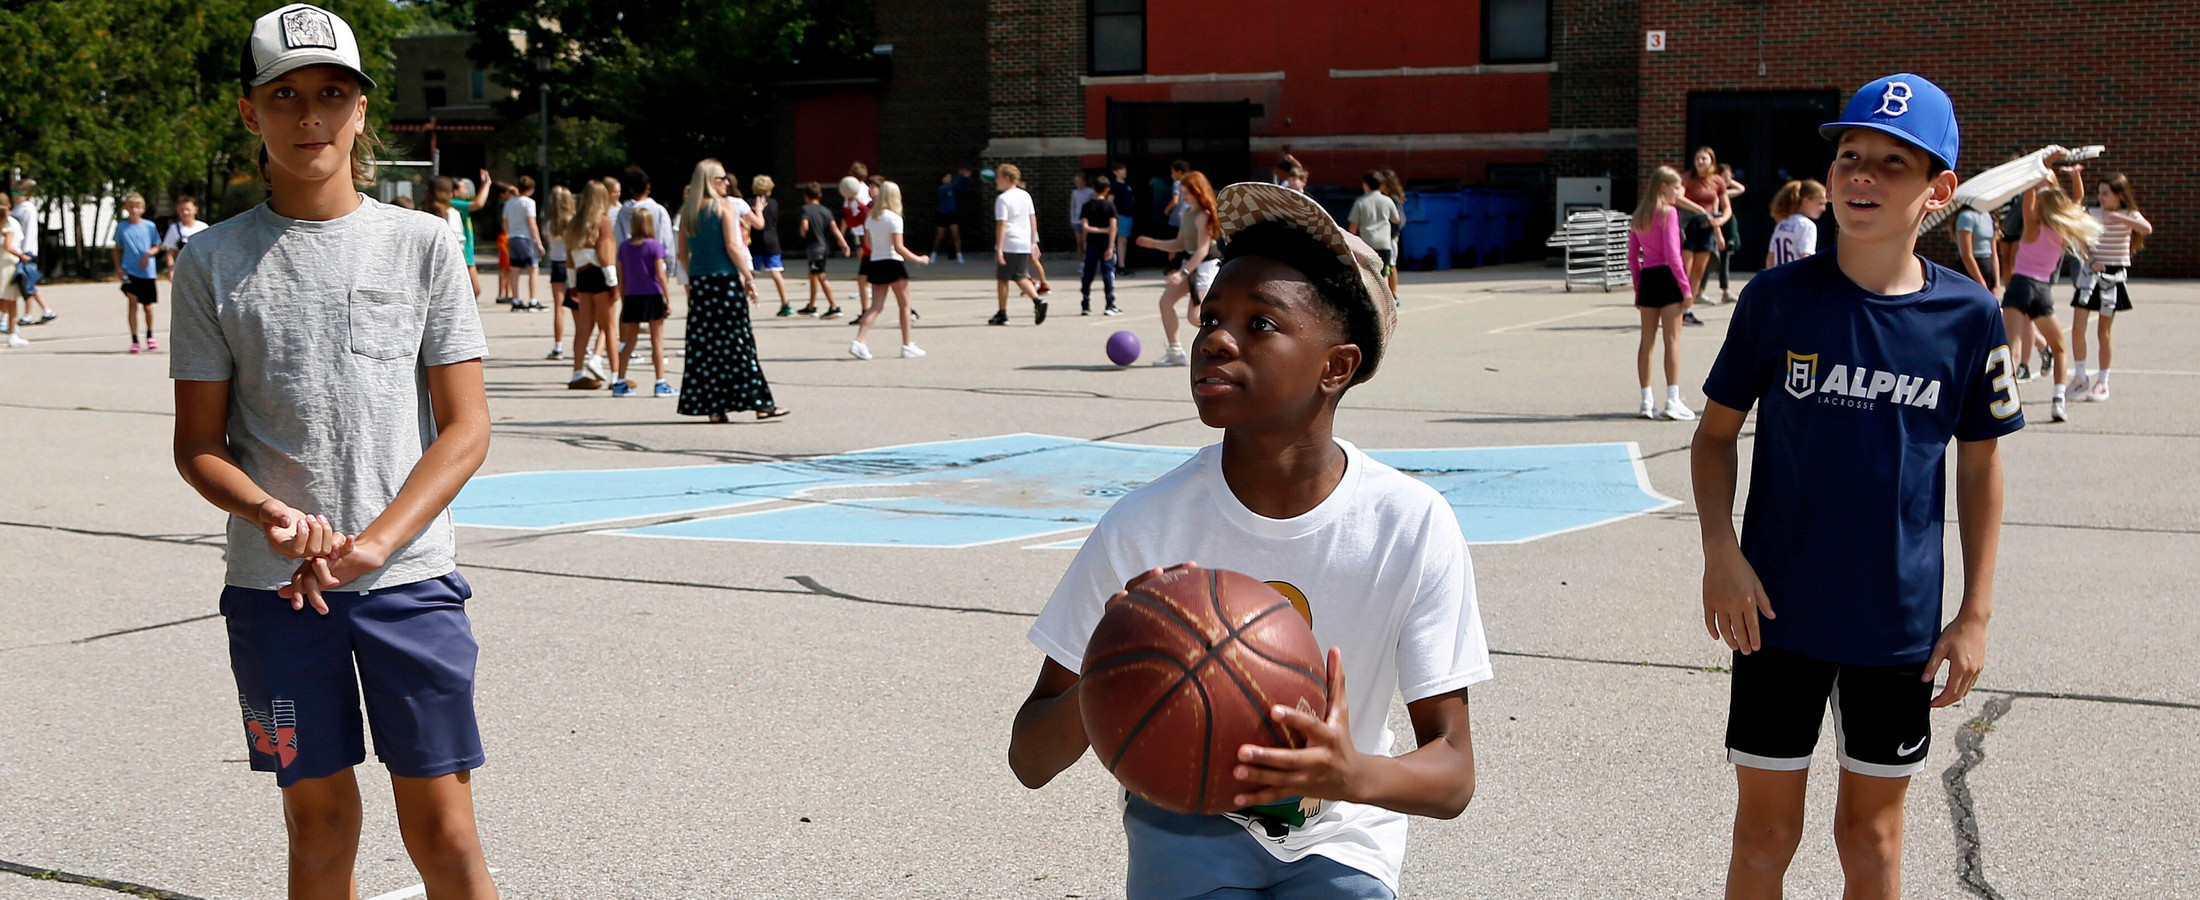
column 1245, row 204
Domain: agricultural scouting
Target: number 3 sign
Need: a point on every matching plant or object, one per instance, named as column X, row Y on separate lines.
column 1654, row 41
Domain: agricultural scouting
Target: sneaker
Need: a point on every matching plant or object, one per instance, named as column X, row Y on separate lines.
column 557, row 351
column 958, row 257
column 1725, row 296
column 1173, row 356
column 507, row 301
column 858, row 350
column 1689, row 318
column 16, row 339
column 594, row 367
column 830, row 313
column 1045, row 289
column 1111, row 311
column 621, row 389
column 1085, row 308
column 2099, row 393
column 914, row 315
column 664, row 389
column 1678, row 411
column 1649, row 410
column 1038, row 312
column 999, row 318
column 516, row 305
column 810, row 310
column 135, row 347
column 24, row 321
column 582, row 381
column 911, row 351
column 2024, row 373
column 152, row 344
column 2080, row 382
column 785, row 311
column 48, row 317
column 2059, row 412
column 2047, row 360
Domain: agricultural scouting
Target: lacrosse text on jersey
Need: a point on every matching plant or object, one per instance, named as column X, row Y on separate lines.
column 1859, row 387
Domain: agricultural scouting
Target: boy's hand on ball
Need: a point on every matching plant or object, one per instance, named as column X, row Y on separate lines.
column 1327, row 767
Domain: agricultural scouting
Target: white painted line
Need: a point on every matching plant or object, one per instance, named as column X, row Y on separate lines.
column 1573, row 315
column 2158, row 372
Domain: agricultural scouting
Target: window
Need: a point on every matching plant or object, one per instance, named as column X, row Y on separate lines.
column 1516, row 31
column 477, row 90
column 1117, row 29
column 435, row 97
column 432, row 75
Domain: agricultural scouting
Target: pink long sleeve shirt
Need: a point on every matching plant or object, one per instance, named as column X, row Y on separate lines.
column 1660, row 246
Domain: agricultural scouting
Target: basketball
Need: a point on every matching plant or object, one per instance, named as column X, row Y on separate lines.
column 1123, row 348
column 1182, row 671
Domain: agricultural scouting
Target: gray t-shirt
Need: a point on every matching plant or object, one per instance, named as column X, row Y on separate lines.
column 1981, row 227
column 324, row 330
column 26, row 218
column 1374, row 212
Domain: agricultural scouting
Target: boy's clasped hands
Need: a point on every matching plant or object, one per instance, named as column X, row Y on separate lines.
column 328, row 558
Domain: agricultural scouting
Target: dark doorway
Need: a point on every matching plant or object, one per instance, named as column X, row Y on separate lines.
column 1768, row 137
column 1216, row 138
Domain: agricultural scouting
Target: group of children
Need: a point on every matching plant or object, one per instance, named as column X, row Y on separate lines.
column 1862, row 363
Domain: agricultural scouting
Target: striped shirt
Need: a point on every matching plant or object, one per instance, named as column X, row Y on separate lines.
column 2114, row 248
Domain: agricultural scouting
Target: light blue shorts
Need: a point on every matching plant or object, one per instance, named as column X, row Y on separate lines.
column 1183, row 857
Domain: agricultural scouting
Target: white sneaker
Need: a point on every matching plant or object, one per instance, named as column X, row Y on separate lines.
column 594, row 365
column 857, row 350
column 2057, row 412
column 2099, row 393
column 911, row 351
column 2079, row 382
column 1678, row 411
column 1649, row 410
column 557, row 351
column 16, row 339
column 1174, row 356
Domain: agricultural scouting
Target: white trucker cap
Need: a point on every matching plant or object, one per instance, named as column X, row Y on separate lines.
column 297, row 36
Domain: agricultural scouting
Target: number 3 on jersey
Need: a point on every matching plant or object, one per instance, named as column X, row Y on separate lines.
column 2004, row 383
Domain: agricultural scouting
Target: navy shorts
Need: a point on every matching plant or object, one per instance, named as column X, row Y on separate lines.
column 407, row 651
column 521, row 251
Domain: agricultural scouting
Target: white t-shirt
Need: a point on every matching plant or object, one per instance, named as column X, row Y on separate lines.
column 884, row 224
column 1794, row 238
column 180, row 234
column 1077, row 200
column 1014, row 207
column 457, row 221
column 26, row 220
column 1383, row 569
column 519, row 211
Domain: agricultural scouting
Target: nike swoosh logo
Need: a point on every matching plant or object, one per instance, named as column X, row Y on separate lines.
column 1905, row 751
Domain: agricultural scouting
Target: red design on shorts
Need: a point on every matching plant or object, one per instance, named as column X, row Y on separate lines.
column 273, row 732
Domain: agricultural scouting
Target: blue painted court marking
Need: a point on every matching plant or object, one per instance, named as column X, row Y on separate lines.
column 1021, row 487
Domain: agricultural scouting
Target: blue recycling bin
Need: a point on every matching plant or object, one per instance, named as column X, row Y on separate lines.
column 1470, row 230
column 1426, row 242
column 1504, row 225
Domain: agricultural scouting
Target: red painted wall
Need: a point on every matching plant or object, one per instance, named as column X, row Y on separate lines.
column 830, row 130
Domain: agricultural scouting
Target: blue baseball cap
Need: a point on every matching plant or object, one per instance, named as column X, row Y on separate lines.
column 1906, row 106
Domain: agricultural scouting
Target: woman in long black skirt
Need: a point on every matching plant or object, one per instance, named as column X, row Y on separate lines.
column 722, row 374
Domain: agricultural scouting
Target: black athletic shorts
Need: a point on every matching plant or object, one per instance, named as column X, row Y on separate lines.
column 557, row 271
column 863, row 272
column 143, row 290
column 1882, row 724
column 888, row 271
column 817, row 264
column 1017, row 267
column 590, row 280
column 2029, row 296
column 2097, row 290
column 1657, row 288
column 1697, row 235
column 639, row 309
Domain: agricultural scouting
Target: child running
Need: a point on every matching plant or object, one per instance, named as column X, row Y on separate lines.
column 1296, row 318
column 1192, row 263
column 2053, row 222
column 1796, row 207
column 2124, row 231
column 817, row 223
column 1654, row 262
column 329, row 398
column 137, row 260
column 1862, row 364
column 642, row 264
column 888, row 270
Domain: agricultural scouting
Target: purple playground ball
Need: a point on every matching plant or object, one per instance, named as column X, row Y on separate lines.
column 1123, row 348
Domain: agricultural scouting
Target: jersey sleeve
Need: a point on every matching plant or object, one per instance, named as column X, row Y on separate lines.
column 1066, row 624
column 1806, row 239
column 453, row 327
column 198, row 348
column 1990, row 407
column 1738, row 377
column 1441, row 646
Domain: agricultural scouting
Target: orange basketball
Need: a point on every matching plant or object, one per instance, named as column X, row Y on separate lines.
column 1182, row 671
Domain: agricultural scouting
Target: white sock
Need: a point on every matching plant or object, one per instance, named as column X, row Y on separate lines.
column 2062, row 391
column 1647, row 396
column 1672, row 393
column 2077, row 366
column 2101, row 378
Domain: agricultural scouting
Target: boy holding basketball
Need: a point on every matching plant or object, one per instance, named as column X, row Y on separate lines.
column 1863, row 364
column 1373, row 558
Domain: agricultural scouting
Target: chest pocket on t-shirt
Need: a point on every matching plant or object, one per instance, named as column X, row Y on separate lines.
column 383, row 325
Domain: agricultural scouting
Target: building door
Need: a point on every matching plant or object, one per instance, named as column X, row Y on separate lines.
column 1216, row 138
column 1769, row 137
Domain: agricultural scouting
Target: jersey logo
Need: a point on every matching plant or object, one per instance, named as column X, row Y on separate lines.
column 1297, row 598
column 273, row 732
column 1802, row 377
column 1896, row 101
column 308, row 27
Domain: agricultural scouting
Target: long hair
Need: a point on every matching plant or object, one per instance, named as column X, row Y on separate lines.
column 1196, row 188
column 2121, row 187
column 889, row 200
column 440, row 190
column 561, row 209
column 1653, row 192
column 2067, row 219
column 1793, row 195
column 1699, row 152
column 587, row 222
column 702, row 193
column 364, row 148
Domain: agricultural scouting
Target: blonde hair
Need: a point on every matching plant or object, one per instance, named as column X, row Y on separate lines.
column 561, row 209
column 586, row 225
column 702, row 191
column 1794, row 194
column 1653, row 196
column 1009, row 171
column 132, row 198
column 2067, row 219
column 642, row 225
column 761, row 186
column 888, row 200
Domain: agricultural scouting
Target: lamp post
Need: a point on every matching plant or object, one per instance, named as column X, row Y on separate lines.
column 542, row 150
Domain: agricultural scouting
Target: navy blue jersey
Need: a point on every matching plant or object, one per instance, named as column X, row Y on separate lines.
column 1858, row 395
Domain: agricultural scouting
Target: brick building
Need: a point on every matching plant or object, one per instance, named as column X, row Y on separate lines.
column 1751, row 77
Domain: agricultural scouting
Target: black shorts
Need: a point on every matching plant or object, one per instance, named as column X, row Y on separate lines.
column 637, row 309
column 1016, row 268
column 817, row 264
column 863, row 272
column 557, row 271
column 590, row 280
column 2029, row 296
column 1697, row 234
column 1657, row 288
column 1177, row 260
column 2098, row 289
column 1882, row 723
column 143, row 290
column 888, row 271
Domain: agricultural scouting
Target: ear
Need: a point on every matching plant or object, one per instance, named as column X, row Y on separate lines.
column 1343, row 364
column 1941, row 192
column 244, row 111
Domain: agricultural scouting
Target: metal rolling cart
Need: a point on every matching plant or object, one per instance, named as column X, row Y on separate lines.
column 1595, row 242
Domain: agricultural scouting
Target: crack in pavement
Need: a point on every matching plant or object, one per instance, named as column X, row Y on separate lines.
column 1970, row 751
column 120, row 887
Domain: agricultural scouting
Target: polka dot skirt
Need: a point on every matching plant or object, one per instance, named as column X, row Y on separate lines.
column 722, row 374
